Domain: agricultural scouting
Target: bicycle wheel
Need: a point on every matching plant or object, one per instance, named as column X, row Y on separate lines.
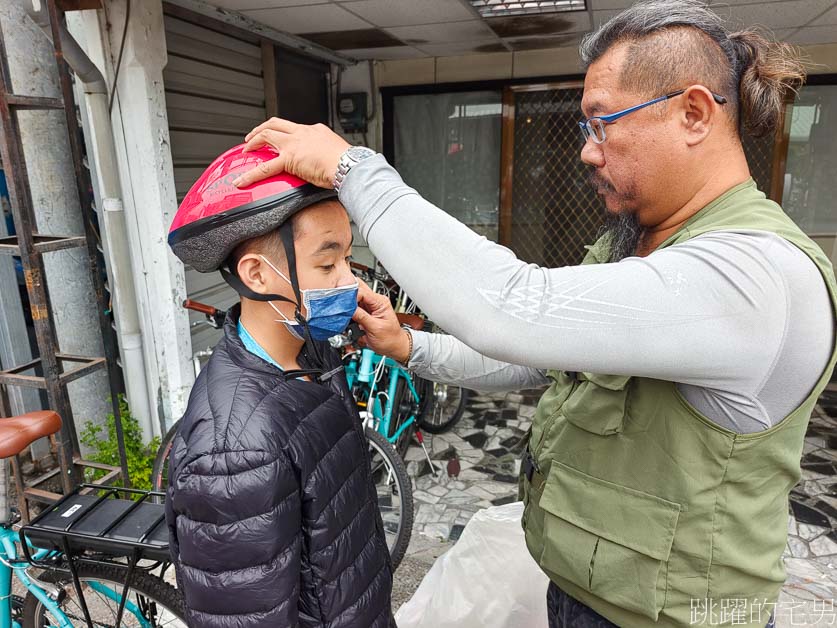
column 395, row 494
column 153, row 601
column 441, row 405
column 160, row 470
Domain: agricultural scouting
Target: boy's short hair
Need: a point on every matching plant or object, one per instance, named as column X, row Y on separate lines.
column 270, row 243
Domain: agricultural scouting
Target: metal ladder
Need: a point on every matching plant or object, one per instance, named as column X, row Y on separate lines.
column 59, row 369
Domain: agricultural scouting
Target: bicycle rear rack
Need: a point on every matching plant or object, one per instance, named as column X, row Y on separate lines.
column 81, row 523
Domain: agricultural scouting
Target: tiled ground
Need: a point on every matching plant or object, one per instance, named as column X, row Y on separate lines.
column 487, row 442
column 485, row 446
column 810, row 593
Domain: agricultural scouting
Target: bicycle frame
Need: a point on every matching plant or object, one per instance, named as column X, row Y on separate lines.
column 368, row 370
column 10, row 565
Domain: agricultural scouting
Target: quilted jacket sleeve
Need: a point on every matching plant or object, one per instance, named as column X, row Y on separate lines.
column 238, row 535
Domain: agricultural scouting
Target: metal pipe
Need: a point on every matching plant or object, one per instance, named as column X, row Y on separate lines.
column 115, row 233
column 82, row 65
column 124, row 297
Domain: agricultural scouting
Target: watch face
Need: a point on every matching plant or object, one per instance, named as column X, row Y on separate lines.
column 360, row 152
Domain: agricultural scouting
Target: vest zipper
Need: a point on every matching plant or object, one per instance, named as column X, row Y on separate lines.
column 549, row 423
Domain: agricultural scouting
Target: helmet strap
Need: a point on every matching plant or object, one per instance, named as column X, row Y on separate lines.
column 286, row 232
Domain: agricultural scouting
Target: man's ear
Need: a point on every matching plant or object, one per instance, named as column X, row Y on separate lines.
column 253, row 273
column 698, row 113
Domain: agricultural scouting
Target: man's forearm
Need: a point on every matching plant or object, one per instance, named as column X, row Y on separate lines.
column 443, row 358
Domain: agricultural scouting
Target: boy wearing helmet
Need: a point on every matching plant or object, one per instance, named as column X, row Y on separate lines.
column 271, row 507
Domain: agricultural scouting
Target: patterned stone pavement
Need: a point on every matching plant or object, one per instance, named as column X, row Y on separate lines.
column 809, row 597
column 487, row 444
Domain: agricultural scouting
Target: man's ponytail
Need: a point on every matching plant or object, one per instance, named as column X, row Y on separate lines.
column 768, row 72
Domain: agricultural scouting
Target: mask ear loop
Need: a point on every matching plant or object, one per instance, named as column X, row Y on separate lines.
column 236, row 284
column 287, row 234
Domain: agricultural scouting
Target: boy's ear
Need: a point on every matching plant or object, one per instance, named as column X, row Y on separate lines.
column 252, row 272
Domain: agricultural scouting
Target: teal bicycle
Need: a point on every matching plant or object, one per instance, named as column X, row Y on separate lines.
column 95, row 553
column 440, row 406
column 388, row 403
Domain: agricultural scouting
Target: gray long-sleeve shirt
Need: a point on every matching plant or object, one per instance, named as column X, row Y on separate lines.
column 741, row 321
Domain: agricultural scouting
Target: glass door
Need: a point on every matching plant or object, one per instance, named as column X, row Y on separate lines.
column 447, row 146
column 809, row 186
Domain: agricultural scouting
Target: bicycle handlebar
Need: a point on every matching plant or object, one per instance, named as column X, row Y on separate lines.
column 368, row 273
column 361, row 267
column 214, row 316
column 197, row 306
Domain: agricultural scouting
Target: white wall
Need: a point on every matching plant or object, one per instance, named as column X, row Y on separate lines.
column 356, row 79
column 145, row 170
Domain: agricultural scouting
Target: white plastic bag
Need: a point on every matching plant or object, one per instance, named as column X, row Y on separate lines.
column 487, row 580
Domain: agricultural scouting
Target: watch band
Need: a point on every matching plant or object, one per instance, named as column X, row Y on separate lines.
column 350, row 157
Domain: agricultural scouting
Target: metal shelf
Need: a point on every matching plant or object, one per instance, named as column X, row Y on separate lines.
column 42, row 243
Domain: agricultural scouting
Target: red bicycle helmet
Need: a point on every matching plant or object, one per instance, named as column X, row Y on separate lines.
column 215, row 216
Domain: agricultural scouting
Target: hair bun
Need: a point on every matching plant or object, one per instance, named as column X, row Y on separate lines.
column 769, row 72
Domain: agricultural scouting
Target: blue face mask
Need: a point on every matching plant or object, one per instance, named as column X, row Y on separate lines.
column 328, row 310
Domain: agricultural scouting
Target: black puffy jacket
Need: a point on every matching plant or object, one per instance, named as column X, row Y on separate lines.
column 271, row 509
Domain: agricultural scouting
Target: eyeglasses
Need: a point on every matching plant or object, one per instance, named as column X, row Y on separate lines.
column 595, row 127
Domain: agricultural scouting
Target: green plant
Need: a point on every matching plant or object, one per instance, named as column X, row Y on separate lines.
column 105, row 450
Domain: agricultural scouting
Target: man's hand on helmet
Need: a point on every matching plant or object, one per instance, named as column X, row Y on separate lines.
column 310, row 152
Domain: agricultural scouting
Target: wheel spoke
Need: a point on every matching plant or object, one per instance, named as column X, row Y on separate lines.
column 103, row 609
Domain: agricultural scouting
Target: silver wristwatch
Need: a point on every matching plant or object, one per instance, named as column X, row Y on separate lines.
column 348, row 159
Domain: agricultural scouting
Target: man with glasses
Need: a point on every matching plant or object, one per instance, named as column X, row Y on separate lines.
column 683, row 357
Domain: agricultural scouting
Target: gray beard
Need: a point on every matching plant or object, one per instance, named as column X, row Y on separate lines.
column 624, row 234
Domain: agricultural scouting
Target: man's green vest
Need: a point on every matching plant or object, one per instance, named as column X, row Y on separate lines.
column 644, row 509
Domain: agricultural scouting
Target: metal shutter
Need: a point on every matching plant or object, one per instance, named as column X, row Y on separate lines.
column 214, row 96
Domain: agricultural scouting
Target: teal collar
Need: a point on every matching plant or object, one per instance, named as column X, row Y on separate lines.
column 254, row 347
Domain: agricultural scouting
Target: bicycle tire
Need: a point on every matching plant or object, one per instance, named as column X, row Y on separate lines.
column 160, row 470
column 143, row 583
column 405, row 488
column 426, row 390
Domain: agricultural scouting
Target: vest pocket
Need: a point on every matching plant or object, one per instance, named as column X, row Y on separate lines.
column 610, row 540
column 598, row 405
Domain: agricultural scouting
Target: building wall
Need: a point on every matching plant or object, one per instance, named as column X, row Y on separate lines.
column 482, row 67
column 149, row 186
column 356, row 78
column 529, row 63
column 823, row 57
